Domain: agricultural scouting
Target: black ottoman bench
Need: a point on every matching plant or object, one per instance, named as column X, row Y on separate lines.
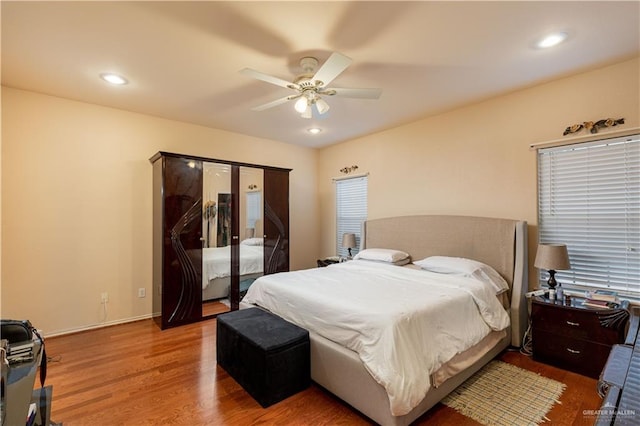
column 266, row 355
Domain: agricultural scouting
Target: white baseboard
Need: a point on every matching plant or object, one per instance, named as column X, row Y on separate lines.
column 95, row 326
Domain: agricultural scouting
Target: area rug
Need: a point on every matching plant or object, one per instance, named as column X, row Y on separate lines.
column 501, row 394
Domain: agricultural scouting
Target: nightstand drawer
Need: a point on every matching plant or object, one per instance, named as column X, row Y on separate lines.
column 576, row 355
column 573, row 323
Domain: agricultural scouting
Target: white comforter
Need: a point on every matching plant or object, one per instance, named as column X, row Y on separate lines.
column 216, row 261
column 403, row 323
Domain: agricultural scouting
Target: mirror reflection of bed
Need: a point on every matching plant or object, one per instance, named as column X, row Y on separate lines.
column 217, row 238
column 216, row 268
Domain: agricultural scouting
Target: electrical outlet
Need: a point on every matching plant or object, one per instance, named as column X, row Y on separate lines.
column 142, row 292
column 104, row 298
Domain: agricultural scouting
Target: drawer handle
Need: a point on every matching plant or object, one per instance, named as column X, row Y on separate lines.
column 575, row 324
column 573, row 351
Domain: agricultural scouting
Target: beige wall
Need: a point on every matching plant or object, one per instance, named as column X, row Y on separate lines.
column 76, row 205
column 76, row 184
column 476, row 160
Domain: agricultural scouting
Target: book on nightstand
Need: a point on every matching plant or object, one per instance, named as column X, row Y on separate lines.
column 606, row 295
column 599, row 304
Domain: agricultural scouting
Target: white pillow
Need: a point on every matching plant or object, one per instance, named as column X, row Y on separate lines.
column 257, row 241
column 464, row 267
column 396, row 257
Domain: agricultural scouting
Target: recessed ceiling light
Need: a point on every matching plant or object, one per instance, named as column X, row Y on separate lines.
column 113, row 78
column 314, row 130
column 552, row 40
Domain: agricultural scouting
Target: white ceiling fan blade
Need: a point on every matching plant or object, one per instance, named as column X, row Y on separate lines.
column 336, row 63
column 268, row 78
column 357, row 93
column 274, row 103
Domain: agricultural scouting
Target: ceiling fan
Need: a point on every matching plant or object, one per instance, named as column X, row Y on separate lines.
column 312, row 85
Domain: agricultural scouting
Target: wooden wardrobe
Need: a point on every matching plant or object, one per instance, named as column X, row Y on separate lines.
column 181, row 228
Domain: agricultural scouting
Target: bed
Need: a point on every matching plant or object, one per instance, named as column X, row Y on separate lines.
column 348, row 373
column 216, row 267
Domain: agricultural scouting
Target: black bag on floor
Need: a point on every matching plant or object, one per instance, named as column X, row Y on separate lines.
column 15, row 331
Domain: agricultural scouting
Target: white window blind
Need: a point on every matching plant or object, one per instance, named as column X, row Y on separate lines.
column 254, row 208
column 351, row 210
column 589, row 199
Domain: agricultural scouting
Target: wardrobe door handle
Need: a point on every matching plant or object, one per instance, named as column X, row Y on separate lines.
column 575, row 324
column 573, row 351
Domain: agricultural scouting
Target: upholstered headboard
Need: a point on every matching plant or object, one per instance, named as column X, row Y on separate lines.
column 500, row 243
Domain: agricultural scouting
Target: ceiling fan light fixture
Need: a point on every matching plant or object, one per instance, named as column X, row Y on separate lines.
column 307, row 112
column 301, row 105
column 313, row 84
column 322, row 105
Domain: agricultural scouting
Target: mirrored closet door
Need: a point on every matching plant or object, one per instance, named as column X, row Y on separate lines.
column 217, row 213
column 251, row 228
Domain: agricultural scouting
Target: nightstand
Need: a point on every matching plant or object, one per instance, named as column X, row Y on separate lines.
column 574, row 337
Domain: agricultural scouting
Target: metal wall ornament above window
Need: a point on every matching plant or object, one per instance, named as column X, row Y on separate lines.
column 349, row 169
column 589, row 199
column 593, row 126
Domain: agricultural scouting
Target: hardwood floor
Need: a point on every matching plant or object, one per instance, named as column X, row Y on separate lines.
column 213, row 308
column 137, row 374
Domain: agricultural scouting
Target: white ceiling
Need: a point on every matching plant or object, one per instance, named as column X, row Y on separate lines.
column 182, row 59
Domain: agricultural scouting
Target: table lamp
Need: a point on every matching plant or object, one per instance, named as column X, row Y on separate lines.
column 348, row 242
column 552, row 257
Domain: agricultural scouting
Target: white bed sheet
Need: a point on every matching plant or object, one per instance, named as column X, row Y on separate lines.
column 403, row 323
column 216, row 261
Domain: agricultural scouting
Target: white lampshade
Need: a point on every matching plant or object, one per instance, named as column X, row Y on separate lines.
column 301, row 105
column 552, row 257
column 322, row 105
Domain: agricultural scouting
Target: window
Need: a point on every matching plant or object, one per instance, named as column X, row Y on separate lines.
column 589, row 199
column 351, row 210
column 254, row 208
